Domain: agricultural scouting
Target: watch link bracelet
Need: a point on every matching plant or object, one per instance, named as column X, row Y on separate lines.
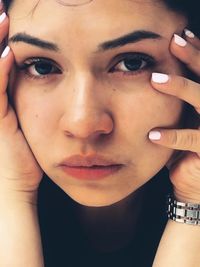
column 188, row 213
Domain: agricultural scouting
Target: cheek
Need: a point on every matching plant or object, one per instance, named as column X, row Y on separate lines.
column 140, row 112
column 148, row 109
column 38, row 115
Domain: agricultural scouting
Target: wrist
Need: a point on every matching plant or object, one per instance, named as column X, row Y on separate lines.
column 15, row 197
column 186, row 197
column 183, row 211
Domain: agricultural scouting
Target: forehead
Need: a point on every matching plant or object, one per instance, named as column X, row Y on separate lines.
column 99, row 18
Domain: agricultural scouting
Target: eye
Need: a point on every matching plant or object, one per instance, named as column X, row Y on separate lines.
column 39, row 68
column 132, row 63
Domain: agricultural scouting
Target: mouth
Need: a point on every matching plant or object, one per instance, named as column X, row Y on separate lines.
column 91, row 167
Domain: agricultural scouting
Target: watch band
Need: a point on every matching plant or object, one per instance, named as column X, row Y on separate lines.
column 188, row 213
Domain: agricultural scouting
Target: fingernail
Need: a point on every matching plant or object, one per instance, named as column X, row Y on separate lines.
column 188, row 33
column 2, row 17
column 179, row 40
column 154, row 135
column 5, row 52
column 160, row 77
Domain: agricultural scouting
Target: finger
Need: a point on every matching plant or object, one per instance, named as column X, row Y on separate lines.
column 178, row 86
column 1, row 6
column 186, row 52
column 4, row 24
column 176, row 157
column 190, row 37
column 6, row 61
column 186, row 139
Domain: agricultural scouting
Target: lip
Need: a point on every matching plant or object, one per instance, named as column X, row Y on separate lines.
column 90, row 167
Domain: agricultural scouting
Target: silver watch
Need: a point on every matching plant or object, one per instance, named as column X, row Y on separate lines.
column 188, row 213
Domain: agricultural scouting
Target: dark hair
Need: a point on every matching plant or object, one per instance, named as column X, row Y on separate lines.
column 188, row 8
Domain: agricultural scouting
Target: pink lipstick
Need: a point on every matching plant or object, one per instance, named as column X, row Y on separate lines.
column 89, row 167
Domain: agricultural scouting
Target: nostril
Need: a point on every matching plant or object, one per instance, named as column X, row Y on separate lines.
column 67, row 133
column 86, row 124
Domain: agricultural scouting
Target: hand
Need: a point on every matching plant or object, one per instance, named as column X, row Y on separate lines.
column 185, row 171
column 19, row 170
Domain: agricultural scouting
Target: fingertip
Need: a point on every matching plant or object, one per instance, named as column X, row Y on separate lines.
column 6, row 52
column 189, row 33
column 6, row 59
column 179, row 47
column 159, row 78
column 192, row 38
column 154, row 135
column 178, row 40
column 3, row 19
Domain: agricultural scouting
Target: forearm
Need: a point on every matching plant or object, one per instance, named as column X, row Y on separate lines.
column 20, row 242
column 179, row 246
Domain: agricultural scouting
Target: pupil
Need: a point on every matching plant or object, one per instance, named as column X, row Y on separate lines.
column 133, row 64
column 43, row 68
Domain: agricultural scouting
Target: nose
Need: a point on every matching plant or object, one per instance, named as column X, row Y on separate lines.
column 86, row 114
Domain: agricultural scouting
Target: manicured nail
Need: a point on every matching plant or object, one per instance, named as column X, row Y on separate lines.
column 154, row 135
column 160, row 77
column 179, row 40
column 188, row 33
column 5, row 52
column 2, row 17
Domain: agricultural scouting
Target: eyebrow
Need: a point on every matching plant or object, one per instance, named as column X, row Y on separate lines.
column 132, row 37
column 28, row 39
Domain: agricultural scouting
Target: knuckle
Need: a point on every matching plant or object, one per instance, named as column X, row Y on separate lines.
column 191, row 140
column 174, row 138
column 187, row 140
column 183, row 84
column 195, row 53
column 194, row 56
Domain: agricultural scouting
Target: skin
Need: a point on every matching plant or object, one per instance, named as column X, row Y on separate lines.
column 20, row 180
column 88, row 110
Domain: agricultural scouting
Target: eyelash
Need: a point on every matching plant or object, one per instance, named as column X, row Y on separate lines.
column 32, row 62
column 149, row 61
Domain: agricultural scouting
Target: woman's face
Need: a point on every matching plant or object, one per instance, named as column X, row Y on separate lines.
column 92, row 96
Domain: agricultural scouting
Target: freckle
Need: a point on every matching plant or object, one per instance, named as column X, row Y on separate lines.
column 36, row 115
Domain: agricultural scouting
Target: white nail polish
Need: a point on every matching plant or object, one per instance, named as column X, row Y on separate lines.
column 2, row 17
column 160, row 77
column 154, row 135
column 179, row 40
column 188, row 33
column 5, row 52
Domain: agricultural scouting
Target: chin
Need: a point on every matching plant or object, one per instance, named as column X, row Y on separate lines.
column 95, row 199
column 93, row 203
